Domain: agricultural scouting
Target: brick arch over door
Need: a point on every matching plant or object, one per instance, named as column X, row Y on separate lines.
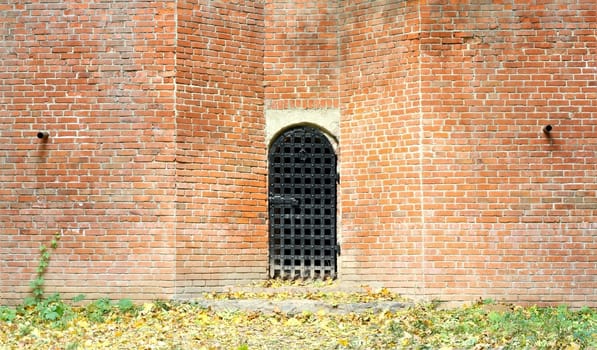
column 302, row 205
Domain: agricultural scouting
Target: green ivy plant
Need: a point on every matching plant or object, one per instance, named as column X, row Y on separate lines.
column 54, row 310
column 49, row 309
column 102, row 309
column 7, row 314
column 99, row 310
column 37, row 284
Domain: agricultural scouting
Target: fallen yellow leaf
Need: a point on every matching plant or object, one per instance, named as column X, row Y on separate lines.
column 343, row 342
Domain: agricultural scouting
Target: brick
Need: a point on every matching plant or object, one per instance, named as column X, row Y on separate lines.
column 156, row 165
column 441, row 81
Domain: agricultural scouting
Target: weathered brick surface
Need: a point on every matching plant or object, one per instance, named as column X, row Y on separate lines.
column 444, row 116
column 99, row 77
column 508, row 209
column 380, row 150
column 221, row 154
column 301, row 54
column 155, row 169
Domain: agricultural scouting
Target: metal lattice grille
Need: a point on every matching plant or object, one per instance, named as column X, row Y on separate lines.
column 302, row 205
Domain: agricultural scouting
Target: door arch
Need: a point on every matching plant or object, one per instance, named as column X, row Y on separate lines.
column 302, row 205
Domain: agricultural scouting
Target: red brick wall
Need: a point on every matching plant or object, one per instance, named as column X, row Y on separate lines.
column 301, row 54
column 380, row 189
column 155, row 170
column 508, row 209
column 221, row 154
column 450, row 188
column 99, row 77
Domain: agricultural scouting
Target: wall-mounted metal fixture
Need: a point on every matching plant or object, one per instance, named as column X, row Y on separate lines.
column 547, row 129
column 43, row 135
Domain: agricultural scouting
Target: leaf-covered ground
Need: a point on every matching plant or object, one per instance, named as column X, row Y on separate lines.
column 105, row 324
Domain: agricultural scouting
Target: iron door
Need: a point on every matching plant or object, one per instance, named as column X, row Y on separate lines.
column 302, row 205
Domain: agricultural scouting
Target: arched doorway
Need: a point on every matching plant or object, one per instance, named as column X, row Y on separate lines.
column 302, row 205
